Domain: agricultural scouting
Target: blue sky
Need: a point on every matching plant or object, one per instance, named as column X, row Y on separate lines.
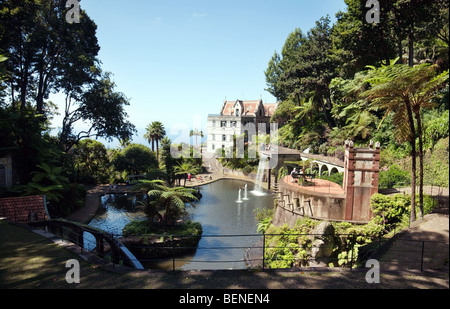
column 177, row 60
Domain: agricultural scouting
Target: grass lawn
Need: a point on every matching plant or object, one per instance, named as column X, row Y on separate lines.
column 28, row 260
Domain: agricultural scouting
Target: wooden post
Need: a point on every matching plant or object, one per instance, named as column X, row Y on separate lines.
column 99, row 247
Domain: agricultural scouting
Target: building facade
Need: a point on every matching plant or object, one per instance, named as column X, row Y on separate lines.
column 6, row 171
column 238, row 118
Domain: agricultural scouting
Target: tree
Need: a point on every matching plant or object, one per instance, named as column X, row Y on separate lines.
column 100, row 106
column 149, row 136
column 3, row 74
column 405, row 25
column 168, row 161
column 404, row 91
column 135, row 159
column 173, row 200
column 310, row 68
column 185, row 168
column 356, row 43
column 414, row 20
column 46, row 180
column 155, row 132
column 196, row 133
column 150, row 206
column 423, row 82
column 45, row 53
column 280, row 64
column 91, row 162
column 355, row 118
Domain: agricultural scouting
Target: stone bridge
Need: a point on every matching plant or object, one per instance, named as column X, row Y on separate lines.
column 360, row 181
column 278, row 155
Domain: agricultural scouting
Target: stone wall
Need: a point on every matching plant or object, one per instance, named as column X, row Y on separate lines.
column 295, row 202
column 361, row 171
column 362, row 166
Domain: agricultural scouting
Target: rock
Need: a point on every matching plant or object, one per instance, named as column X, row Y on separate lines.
column 324, row 230
column 323, row 245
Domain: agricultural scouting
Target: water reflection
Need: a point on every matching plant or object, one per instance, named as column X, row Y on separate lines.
column 116, row 211
column 227, row 225
column 220, row 215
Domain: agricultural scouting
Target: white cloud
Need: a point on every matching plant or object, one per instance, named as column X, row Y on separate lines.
column 157, row 20
column 195, row 14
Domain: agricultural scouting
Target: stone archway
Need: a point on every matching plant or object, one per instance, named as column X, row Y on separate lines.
column 315, row 168
column 334, row 170
column 323, row 169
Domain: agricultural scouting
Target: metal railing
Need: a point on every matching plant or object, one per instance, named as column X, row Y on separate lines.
column 262, row 252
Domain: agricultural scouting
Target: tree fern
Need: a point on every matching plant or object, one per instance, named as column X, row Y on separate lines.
column 405, row 91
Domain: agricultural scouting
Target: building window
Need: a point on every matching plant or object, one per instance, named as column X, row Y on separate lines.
column 213, row 147
column 237, row 112
column 213, row 137
column 233, row 124
column 224, row 138
column 223, row 124
column 213, row 123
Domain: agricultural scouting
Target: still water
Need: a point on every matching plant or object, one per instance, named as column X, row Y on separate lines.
column 229, row 227
column 116, row 211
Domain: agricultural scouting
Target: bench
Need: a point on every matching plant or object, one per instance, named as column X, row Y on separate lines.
column 304, row 177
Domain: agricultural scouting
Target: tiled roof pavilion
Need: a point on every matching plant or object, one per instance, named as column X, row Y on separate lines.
column 24, row 209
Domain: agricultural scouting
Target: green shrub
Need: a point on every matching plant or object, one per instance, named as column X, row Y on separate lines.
column 247, row 169
column 389, row 210
column 394, row 176
column 287, row 247
column 436, row 164
column 336, row 178
column 141, row 227
column 72, row 198
column 429, row 203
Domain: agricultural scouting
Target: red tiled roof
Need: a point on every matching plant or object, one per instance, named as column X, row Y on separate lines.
column 24, row 209
column 270, row 108
column 228, row 108
column 248, row 108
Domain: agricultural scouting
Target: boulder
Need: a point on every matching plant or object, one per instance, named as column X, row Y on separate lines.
column 323, row 245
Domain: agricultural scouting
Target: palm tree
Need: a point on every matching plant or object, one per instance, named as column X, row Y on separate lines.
column 154, row 133
column 404, row 91
column 158, row 134
column 196, row 133
column 48, row 180
column 186, row 168
column 173, row 200
column 425, row 83
column 149, row 136
column 150, row 207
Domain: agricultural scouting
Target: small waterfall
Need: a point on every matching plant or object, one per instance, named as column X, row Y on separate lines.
column 262, row 167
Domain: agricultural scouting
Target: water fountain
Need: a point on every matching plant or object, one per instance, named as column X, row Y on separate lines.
column 239, row 197
column 245, row 193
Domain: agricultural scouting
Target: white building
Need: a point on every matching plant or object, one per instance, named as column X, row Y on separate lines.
column 238, row 117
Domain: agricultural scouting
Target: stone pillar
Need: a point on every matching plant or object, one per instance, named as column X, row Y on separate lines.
column 361, row 169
